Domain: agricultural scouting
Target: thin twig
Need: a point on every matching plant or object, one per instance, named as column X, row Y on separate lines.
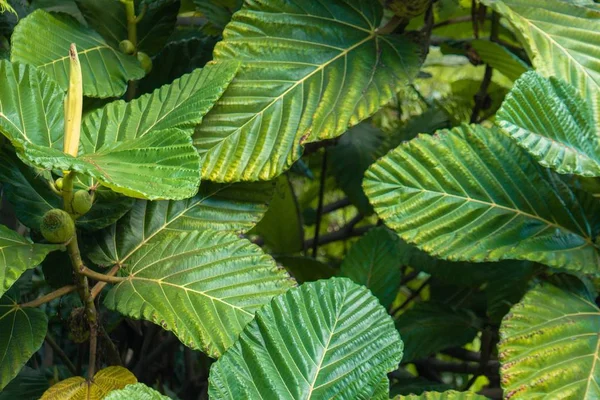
column 336, row 205
column 83, row 270
column 412, row 296
column 61, row 354
column 315, row 245
column 100, row 285
column 50, row 296
column 347, row 232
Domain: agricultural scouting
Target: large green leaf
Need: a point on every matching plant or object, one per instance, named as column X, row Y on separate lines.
column 375, row 261
column 553, row 34
column 204, row 286
column 22, row 332
column 31, row 106
column 499, row 58
column 430, row 327
column 29, row 384
column 182, row 104
column 448, row 395
column 18, row 255
column 549, row 119
column 325, row 339
column 136, row 391
column 549, row 346
column 471, row 194
column 294, row 89
column 158, row 165
column 220, row 207
column 42, row 39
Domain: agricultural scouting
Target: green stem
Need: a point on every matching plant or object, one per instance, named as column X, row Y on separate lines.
column 61, row 354
column 100, row 277
column 132, row 22
column 50, row 296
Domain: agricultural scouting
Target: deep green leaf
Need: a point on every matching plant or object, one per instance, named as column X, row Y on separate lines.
column 158, row 165
column 325, row 339
column 560, row 38
column 220, row 207
column 295, row 89
column 22, row 332
column 182, row 104
column 105, row 70
column 499, row 58
column 377, row 389
column 550, row 120
column 430, row 327
column 218, row 12
column 19, row 255
column 31, row 106
column 29, row 384
column 416, row 385
column 471, row 194
column 374, row 261
column 305, row 269
column 448, row 395
column 135, row 391
column 107, row 17
column 204, row 286
column 550, row 344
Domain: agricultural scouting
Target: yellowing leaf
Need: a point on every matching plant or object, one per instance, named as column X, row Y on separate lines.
column 77, row 387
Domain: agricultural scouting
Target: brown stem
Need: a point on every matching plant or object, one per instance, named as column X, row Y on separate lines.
column 50, row 296
column 315, row 244
column 83, row 270
column 61, row 354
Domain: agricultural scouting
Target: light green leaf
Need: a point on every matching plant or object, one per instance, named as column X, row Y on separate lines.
column 549, row 119
column 31, row 106
column 136, row 391
column 296, row 89
column 471, row 194
column 549, row 346
column 22, row 332
column 325, row 339
column 18, row 255
column 219, row 207
column 203, row 286
column 448, row 395
column 551, row 31
column 182, row 104
column 375, row 261
column 159, row 165
column 430, row 327
column 105, row 70
column 500, row 58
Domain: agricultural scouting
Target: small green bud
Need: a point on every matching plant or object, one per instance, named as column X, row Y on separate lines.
column 57, row 226
column 145, row 60
column 82, row 202
column 127, row 47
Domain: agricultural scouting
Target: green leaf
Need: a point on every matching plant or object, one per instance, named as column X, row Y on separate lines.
column 19, row 255
column 108, row 18
column 104, row 382
column 204, row 286
column 220, row 207
column 136, row 391
column 378, row 389
column 158, row 165
column 471, row 194
column 29, row 384
column 31, row 106
column 325, row 339
column 416, row 385
column 430, row 327
column 549, row 344
column 105, row 70
column 374, row 261
column 549, row 119
column 551, row 31
column 305, row 269
column 22, row 332
column 361, row 144
column 337, row 73
column 181, row 105
column 500, row 58
column 218, row 12
column 448, row 395
column 281, row 228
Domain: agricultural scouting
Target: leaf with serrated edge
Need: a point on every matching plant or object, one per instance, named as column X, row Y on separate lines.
column 22, row 332
column 203, row 286
column 221, row 207
column 549, row 119
column 105, row 70
column 471, row 194
column 105, row 381
column 322, row 340
column 448, row 395
column 18, row 254
column 136, row 391
column 295, row 89
column 549, row 344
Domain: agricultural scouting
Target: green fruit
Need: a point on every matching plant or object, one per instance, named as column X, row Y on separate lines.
column 82, row 202
column 408, row 8
column 145, row 60
column 57, row 226
column 127, row 47
column 59, row 183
